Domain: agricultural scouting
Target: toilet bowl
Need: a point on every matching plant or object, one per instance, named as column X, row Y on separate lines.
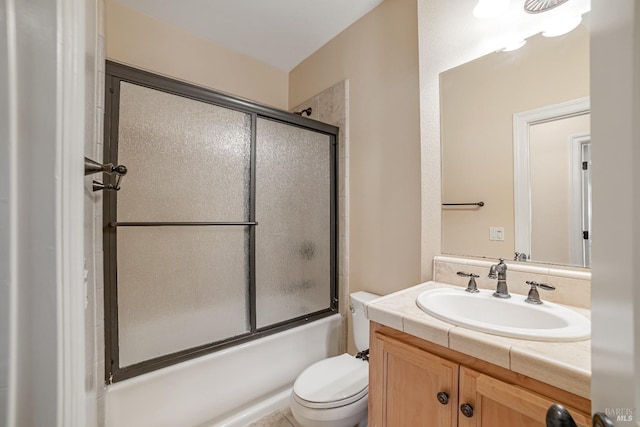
column 334, row 392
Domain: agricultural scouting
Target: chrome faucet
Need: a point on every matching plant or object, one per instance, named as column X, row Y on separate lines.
column 499, row 271
column 520, row 256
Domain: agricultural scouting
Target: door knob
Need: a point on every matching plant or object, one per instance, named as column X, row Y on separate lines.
column 467, row 410
column 558, row 416
column 601, row 420
column 443, row 397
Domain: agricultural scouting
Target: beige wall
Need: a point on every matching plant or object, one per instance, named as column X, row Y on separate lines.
column 379, row 56
column 144, row 42
column 478, row 100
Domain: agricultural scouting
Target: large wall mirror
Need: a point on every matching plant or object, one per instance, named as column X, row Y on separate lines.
column 515, row 132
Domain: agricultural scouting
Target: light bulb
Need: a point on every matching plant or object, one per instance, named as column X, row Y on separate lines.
column 486, row 9
column 561, row 24
column 514, row 45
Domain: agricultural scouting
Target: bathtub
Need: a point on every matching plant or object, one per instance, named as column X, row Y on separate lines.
column 229, row 388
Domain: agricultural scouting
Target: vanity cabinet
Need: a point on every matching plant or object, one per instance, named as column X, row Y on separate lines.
column 414, row 388
column 416, row 383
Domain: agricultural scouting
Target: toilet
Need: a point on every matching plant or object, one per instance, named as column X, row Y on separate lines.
column 334, row 392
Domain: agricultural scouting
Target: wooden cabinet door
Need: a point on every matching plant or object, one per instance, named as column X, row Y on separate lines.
column 497, row 404
column 404, row 383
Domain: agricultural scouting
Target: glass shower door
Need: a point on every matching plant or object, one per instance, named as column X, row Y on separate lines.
column 180, row 284
column 224, row 228
column 293, row 208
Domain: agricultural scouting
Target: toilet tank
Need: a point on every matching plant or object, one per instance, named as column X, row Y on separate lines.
column 360, row 322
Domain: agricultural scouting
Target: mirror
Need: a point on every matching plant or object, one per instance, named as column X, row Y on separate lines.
column 512, row 123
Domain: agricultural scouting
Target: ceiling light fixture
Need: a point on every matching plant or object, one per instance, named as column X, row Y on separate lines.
column 539, row 6
column 486, row 9
column 514, row 44
column 561, row 24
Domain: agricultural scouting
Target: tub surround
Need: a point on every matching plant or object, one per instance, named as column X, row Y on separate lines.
column 566, row 366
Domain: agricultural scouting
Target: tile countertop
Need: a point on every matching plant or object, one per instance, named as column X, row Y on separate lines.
column 566, row 365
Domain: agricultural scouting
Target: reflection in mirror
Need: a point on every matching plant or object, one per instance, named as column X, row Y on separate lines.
column 552, row 183
column 479, row 101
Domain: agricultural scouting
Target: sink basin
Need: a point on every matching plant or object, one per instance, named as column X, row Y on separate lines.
column 505, row 317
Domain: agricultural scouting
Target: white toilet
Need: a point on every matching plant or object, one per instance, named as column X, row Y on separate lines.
column 334, row 392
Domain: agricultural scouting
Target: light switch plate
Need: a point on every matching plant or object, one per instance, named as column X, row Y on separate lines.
column 496, row 233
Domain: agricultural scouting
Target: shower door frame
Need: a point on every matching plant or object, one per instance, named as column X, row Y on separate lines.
column 116, row 73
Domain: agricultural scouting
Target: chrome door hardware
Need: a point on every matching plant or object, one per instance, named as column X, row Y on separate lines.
column 91, row 167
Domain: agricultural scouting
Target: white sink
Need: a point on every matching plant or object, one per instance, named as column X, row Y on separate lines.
column 506, row 317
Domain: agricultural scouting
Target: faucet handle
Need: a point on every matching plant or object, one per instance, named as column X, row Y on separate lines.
column 472, row 286
column 545, row 286
column 534, row 296
column 463, row 274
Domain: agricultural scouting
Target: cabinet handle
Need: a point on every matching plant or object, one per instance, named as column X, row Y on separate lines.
column 443, row 397
column 467, row 410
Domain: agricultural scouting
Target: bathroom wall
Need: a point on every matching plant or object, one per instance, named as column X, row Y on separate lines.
column 144, row 42
column 378, row 54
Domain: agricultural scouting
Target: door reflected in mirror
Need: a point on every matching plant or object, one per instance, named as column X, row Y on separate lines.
column 552, row 183
column 480, row 105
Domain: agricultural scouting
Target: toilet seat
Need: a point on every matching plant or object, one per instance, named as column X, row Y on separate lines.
column 332, row 383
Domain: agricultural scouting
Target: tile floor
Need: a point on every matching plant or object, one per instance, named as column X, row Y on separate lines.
column 279, row 418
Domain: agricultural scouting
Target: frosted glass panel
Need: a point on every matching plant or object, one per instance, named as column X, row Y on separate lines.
column 293, row 207
column 187, row 160
column 180, row 287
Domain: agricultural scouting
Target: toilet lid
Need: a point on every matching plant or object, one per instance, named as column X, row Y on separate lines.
column 333, row 382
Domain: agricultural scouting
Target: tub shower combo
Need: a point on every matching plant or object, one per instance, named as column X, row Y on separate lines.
column 220, row 251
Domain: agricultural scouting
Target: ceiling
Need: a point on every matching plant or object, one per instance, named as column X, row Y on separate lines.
column 278, row 32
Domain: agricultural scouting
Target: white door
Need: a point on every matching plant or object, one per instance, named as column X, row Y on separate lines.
column 615, row 75
column 42, row 381
column 585, row 200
